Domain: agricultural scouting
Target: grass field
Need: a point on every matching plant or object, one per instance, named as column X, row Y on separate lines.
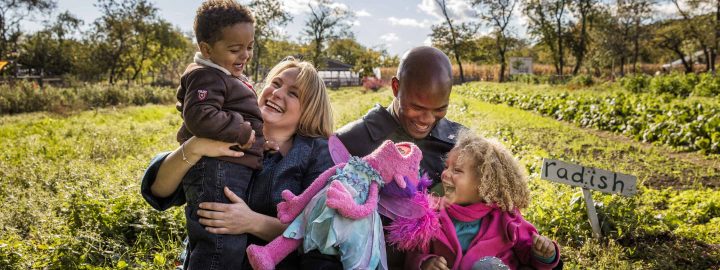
column 69, row 188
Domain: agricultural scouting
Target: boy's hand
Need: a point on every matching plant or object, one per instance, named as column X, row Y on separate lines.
column 250, row 141
column 271, row 146
column 543, row 246
column 435, row 263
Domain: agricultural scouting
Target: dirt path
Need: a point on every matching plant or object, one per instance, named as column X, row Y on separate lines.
column 665, row 180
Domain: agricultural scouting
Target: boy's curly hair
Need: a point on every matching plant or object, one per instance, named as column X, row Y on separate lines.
column 214, row 15
column 502, row 180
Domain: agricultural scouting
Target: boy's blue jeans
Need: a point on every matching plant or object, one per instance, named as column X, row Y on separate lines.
column 205, row 183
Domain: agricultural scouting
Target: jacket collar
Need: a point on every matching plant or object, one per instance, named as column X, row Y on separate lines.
column 200, row 60
column 380, row 124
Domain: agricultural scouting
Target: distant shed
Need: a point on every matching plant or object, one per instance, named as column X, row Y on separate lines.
column 337, row 74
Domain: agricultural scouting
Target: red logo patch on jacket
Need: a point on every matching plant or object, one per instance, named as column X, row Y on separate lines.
column 248, row 85
column 202, row 94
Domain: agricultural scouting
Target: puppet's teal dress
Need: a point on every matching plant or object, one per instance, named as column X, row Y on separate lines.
column 359, row 242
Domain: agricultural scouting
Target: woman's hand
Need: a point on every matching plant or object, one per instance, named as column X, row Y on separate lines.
column 435, row 263
column 195, row 148
column 223, row 218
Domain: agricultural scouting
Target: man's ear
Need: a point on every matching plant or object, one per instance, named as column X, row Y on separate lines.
column 395, row 84
column 204, row 48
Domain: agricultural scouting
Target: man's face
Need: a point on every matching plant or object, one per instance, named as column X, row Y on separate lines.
column 420, row 107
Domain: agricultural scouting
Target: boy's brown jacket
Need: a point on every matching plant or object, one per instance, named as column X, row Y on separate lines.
column 216, row 105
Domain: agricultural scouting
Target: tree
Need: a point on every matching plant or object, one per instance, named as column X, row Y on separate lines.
column 673, row 37
column 608, row 44
column 111, row 37
column 498, row 13
column 326, row 22
column 12, row 12
column 49, row 51
column 464, row 45
column 346, row 50
column 548, row 21
column 129, row 40
column 584, row 10
column 145, row 26
column 269, row 16
column 455, row 35
column 711, row 25
column 170, row 51
column 637, row 11
column 349, row 51
column 367, row 61
column 624, row 18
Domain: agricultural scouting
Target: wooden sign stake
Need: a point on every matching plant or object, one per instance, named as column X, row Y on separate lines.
column 591, row 213
column 589, row 178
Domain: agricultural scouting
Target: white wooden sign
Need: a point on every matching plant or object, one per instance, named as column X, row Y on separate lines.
column 589, row 178
column 520, row 65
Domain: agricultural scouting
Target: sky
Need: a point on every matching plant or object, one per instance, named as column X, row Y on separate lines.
column 395, row 25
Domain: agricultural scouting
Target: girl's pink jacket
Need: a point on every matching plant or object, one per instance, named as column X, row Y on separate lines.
column 504, row 235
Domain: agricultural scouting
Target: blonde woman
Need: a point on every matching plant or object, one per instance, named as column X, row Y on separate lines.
column 298, row 119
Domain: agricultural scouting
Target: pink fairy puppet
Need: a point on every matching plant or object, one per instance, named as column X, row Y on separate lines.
column 338, row 213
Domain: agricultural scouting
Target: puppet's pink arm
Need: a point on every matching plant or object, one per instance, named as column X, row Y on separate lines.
column 293, row 205
column 339, row 198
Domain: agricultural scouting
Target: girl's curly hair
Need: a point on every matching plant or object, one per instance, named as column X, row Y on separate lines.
column 214, row 15
column 502, row 180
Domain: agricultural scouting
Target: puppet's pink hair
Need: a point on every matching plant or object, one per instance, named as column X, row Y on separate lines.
column 410, row 234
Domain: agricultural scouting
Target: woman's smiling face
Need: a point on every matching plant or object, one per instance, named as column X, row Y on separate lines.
column 280, row 100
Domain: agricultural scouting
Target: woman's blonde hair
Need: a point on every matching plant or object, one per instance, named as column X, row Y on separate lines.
column 502, row 180
column 315, row 111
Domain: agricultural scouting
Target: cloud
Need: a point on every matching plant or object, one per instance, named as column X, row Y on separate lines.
column 457, row 9
column 337, row 5
column 389, row 37
column 296, row 7
column 669, row 10
column 363, row 13
column 409, row 22
column 427, row 41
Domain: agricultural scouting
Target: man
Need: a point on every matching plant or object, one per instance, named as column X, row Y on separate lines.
column 417, row 113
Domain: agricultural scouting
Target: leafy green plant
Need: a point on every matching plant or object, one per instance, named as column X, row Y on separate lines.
column 582, row 80
column 690, row 125
column 25, row 97
column 709, row 86
column 635, row 83
column 676, row 84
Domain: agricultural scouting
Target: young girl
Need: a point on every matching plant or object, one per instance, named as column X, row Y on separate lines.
column 484, row 189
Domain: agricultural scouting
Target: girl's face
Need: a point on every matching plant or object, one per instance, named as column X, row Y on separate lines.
column 279, row 102
column 459, row 180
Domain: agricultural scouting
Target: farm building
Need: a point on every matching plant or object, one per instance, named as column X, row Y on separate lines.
column 336, row 74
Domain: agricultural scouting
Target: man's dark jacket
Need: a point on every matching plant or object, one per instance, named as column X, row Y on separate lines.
column 362, row 136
